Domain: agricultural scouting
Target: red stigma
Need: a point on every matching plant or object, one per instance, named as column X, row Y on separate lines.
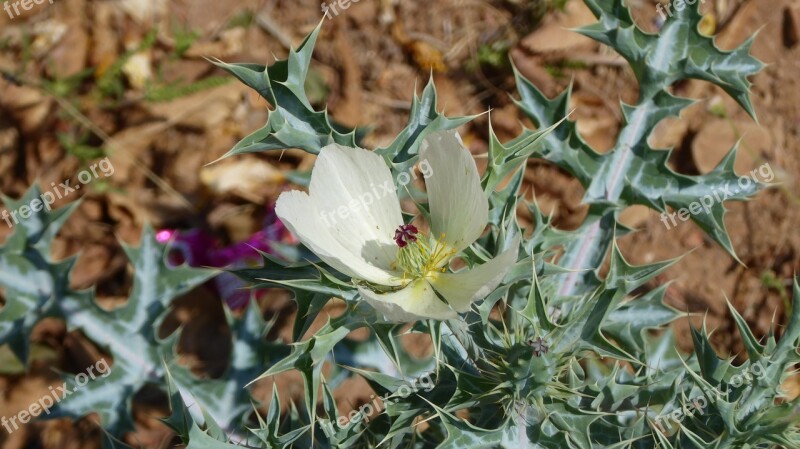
column 405, row 234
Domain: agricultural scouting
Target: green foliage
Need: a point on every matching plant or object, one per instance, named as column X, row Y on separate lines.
column 78, row 146
column 178, row 89
column 558, row 4
column 243, row 19
column 184, row 38
column 494, row 55
column 111, row 83
column 63, row 87
column 129, row 334
column 226, row 400
column 557, row 356
column 293, row 123
column 633, row 172
column 35, row 286
column 605, row 376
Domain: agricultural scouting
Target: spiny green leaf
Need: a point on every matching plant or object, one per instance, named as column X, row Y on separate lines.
column 129, row 334
column 424, row 119
column 36, row 287
column 293, row 122
column 679, row 51
column 227, row 399
column 628, row 323
column 633, row 172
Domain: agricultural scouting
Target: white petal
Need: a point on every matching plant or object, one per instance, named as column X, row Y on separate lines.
column 417, row 301
column 463, row 288
column 298, row 212
column 355, row 195
column 459, row 210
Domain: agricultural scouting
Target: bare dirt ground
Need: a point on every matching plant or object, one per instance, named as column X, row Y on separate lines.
column 128, row 79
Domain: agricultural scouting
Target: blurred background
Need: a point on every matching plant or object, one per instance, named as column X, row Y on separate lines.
column 83, row 80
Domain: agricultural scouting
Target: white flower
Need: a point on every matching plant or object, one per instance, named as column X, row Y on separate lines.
column 399, row 271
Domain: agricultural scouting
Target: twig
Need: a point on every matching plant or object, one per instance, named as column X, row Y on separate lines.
column 267, row 24
column 390, row 102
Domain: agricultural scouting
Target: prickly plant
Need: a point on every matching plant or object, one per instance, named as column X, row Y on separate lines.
column 556, row 355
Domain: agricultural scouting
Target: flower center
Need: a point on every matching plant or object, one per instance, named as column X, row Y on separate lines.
column 420, row 256
column 405, row 234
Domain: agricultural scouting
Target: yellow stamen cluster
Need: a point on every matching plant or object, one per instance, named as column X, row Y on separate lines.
column 424, row 257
